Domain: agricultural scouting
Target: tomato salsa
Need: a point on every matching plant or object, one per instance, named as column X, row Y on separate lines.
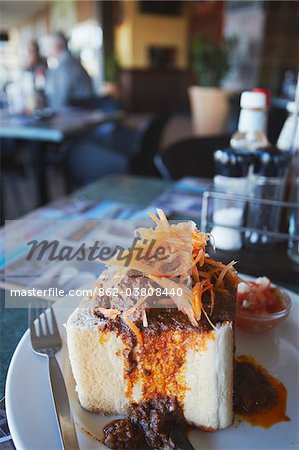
column 260, row 297
column 260, row 306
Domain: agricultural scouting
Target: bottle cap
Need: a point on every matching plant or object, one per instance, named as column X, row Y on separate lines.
column 270, row 162
column 267, row 94
column 254, row 100
column 233, row 162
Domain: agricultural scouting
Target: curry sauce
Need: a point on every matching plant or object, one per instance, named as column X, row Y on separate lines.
column 259, row 398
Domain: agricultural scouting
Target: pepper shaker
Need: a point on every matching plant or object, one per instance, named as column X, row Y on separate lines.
column 269, row 179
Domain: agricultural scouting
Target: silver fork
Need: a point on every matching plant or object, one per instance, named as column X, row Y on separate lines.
column 46, row 341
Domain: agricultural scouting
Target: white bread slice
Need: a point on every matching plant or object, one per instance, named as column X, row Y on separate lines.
column 99, row 370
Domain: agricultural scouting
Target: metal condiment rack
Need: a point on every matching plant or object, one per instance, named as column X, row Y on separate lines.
column 206, row 224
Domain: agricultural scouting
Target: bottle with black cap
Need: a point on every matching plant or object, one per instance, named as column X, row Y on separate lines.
column 237, row 161
column 234, row 169
column 270, row 169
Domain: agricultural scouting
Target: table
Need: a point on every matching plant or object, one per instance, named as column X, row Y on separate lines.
column 127, row 189
column 63, row 125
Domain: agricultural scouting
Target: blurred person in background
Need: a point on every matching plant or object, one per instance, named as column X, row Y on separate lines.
column 68, row 83
column 37, row 68
column 36, row 63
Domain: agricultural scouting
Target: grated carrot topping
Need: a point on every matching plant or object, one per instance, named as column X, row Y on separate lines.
column 198, row 258
column 134, row 329
column 144, row 318
column 223, row 273
column 162, row 216
column 195, row 274
column 212, row 293
column 208, row 319
column 152, row 216
column 196, row 302
column 187, row 245
column 212, row 262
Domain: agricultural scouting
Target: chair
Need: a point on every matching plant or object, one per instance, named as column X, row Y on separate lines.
column 85, row 161
column 147, row 144
column 190, row 157
column 107, row 104
column 140, row 145
column 16, row 167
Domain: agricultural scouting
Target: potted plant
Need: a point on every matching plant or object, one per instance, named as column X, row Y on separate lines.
column 209, row 103
column 111, row 74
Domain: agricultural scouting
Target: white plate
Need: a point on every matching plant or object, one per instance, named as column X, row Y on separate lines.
column 32, row 421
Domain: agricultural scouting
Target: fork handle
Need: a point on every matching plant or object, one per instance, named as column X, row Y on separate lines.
column 62, row 407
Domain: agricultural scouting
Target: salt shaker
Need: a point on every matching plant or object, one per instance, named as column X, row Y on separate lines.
column 232, row 167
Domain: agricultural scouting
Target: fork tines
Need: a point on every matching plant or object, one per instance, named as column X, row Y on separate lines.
column 42, row 324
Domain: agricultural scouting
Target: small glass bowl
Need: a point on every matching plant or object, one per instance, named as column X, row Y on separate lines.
column 260, row 323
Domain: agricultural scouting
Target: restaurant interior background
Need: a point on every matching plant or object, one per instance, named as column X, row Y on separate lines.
column 140, row 57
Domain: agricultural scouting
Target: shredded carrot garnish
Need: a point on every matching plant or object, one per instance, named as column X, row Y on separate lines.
column 189, row 268
column 196, row 301
column 144, row 319
column 152, row 216
column 198, row 257
column 223, row 273
column 206, row 285
column 208, row 319
column 212, row 262
column 162, row 216
column 195, row 274
column 134, row 329
column 212, row 299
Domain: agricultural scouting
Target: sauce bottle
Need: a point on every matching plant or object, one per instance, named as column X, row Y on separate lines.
column 251, row 133
column 234, row 168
